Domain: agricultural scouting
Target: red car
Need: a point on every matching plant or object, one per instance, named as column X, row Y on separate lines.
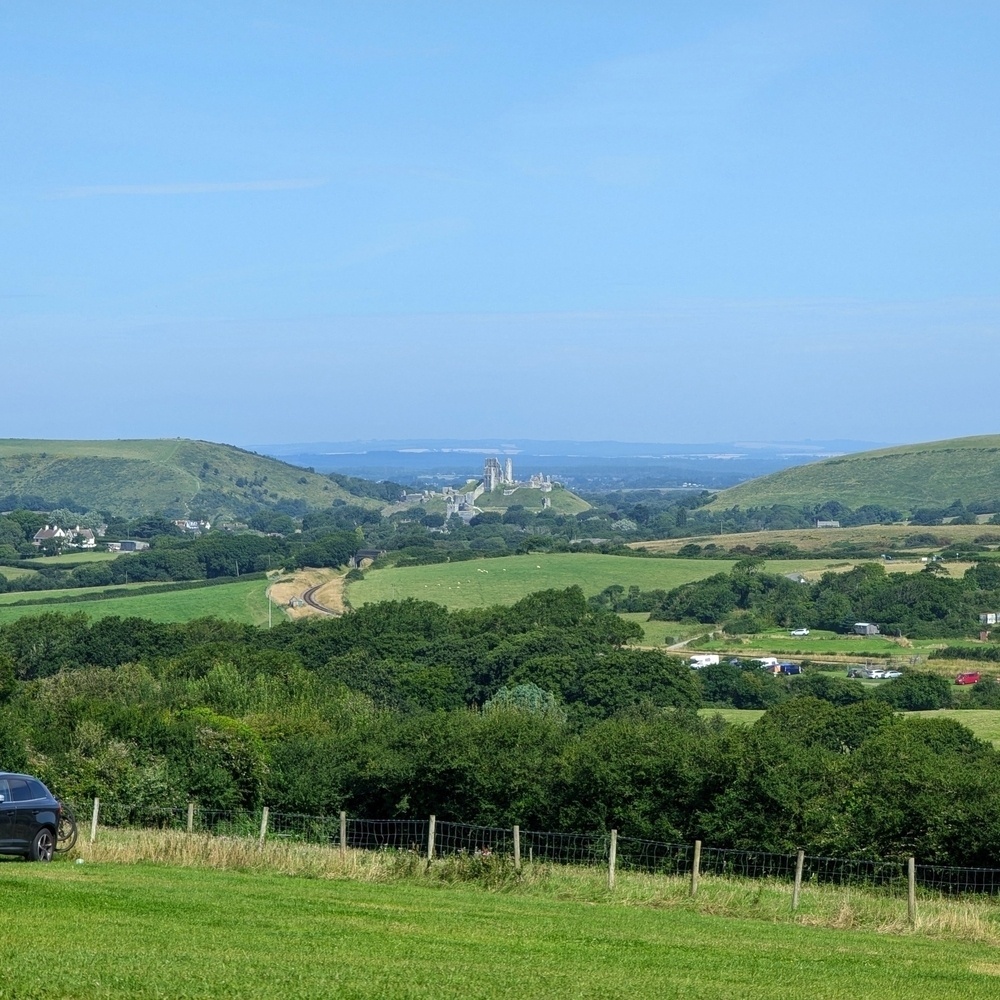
column 970, row 678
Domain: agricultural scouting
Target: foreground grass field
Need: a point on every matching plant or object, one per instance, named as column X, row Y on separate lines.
column 105, row 929
column 482, row 582
column 242, row 600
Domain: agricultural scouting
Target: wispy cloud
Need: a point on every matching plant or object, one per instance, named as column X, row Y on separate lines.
column 225, row 187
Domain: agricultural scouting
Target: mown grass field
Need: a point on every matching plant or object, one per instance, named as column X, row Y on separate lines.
column 984, row 723
column 820, row 643
column 664, row 633
column 482, row 582
column 241, row 600
column 18, row 572
column 13, row 596
column 102, row 930
column 736, row 716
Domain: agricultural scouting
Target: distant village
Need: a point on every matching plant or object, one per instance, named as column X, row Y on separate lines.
column 496, row 475
column 86, row 539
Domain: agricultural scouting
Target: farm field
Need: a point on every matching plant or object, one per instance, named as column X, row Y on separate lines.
column 735, row 716
column 664, row 633
column 820, row 643
column 111, row 930
column 889, row 537
column 242, row 600
column 77, row 557
column 481, row 582
column 984, row 722
column 12, row 597
column 71, row 558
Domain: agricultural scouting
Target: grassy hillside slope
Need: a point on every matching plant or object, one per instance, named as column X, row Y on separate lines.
column 175, row 476
column 931, row 474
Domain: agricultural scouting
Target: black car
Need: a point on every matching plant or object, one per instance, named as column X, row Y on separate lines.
column 29, row 817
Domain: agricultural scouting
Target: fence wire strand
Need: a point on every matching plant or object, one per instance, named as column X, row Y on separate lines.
column 549, row 847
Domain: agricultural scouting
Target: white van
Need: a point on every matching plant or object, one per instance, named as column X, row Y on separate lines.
column 700, row 660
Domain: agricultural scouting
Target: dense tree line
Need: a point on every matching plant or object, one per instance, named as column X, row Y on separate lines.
column 536, row 714
column 920, row 605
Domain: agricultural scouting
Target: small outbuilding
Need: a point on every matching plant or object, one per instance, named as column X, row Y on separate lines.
column 865, row 628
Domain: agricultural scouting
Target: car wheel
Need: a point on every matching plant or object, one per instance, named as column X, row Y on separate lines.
column 43, row 846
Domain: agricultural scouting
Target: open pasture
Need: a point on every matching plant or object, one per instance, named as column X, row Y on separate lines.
column 241, row 600
column 112, row 930
column 75, row 557
column 664, row 633
column 481, row 582
column 984, row 722
column 884, row 537
column 818, row 644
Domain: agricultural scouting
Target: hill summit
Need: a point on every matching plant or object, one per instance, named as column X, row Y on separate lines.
column 176, row 477
column 905, row 478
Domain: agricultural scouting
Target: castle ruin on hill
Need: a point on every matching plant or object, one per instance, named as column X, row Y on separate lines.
column 496, row 475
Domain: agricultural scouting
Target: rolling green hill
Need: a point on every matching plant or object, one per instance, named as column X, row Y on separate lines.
column 911, row 476
column 175, row 477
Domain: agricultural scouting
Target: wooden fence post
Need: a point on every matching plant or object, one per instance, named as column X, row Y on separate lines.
column 343, row 835
column 911, row 891
column 612, row 859
column 263, row 826
column 93, row 820
column 517, row 848
column 431, row 830
column 797, row 888
column 695, row 867
column 190, row 817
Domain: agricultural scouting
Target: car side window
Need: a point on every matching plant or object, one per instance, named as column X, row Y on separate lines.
column 4, row 790
column 19, row 790
column 37, row 789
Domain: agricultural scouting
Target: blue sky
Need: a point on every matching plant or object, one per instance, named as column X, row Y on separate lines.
column 637, row 221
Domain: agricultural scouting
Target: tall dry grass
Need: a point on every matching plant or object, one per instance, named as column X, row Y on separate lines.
column 848, row 908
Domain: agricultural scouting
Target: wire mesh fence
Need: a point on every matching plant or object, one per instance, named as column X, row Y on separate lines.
column 565, row 848
column 387, row 834
column 872, row 874
column 443, row 839
column 746, row 864
column 654, row 857
column 959, row 881
column 462, row 838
